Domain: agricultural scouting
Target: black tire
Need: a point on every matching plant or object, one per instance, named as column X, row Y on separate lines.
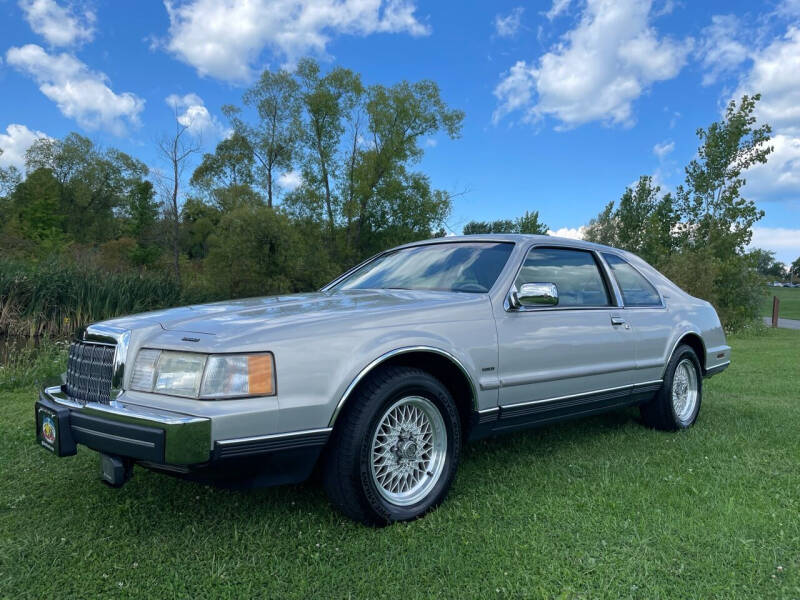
column 660, row 412
column 346, row 472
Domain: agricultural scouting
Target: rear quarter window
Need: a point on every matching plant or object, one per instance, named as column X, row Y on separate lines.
column 636, row 290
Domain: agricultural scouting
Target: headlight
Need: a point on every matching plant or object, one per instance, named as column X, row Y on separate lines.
column 195, row 375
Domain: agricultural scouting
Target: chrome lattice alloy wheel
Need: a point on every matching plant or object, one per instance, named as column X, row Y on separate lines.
column 409, row 449
column 684, row 390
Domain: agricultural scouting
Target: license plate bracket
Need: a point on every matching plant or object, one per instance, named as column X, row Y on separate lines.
column 53, row 431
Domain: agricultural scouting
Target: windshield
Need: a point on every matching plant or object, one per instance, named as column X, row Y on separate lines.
column 453, row 267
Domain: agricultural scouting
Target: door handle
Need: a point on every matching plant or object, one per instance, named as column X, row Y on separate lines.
column 615, row 320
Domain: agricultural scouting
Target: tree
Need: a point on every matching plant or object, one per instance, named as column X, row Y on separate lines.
column 326, row 100
column 397, row 117
column 794, row 270
column 712, row 211
column 602, row 229
column 642, row 223
column 36, row 203
column 231, row 165
column 143, row 217
column 527, row 223
column 273, row 138
column 175, row 149
column 766, row 264
column 10, row 177
column 94, row 184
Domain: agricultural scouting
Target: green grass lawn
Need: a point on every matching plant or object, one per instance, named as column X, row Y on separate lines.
column 790, row 302
column 599, row 508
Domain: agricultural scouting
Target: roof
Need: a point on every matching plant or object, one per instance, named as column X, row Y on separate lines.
column 517, row 238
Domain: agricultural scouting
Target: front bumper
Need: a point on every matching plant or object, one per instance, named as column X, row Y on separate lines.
column 123, row 429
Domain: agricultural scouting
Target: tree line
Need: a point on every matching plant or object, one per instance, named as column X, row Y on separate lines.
column 239, row 228
column 317, row 173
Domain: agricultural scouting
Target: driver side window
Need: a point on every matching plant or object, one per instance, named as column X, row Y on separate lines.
column 575, row 273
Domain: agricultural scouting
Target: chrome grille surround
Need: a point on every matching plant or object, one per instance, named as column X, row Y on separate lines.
column 96, row 364
column 90, row 368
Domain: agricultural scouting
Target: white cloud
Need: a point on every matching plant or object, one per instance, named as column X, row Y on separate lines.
column 508, row 26
column 15, row 142
column 789, row 8
column 573, row 233
column 559, row 7
column 774, row 74
column 290, row 180
column 79, row 93
column 224, row 38
column 785, row 243
column 596, row 71
column 191, row 112
column 780, row 176
column 663, row 149
column 58, row 25
column 431, row 142
column 720, row 50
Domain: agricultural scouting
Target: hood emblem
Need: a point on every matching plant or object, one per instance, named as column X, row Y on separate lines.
column 190, row 339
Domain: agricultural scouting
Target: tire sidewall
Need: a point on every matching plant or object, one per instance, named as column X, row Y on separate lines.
column 682, row 353
column 414, row 385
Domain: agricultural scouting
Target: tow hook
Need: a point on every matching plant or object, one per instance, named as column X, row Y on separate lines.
column 115, row 470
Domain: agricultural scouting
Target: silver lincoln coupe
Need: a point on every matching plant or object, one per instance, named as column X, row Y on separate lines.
column 379, row 378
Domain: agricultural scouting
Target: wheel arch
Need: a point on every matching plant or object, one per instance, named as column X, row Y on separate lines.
column 695, row 342
column 439, row 363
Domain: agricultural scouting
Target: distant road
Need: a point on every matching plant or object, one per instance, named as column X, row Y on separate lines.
column 784, row 323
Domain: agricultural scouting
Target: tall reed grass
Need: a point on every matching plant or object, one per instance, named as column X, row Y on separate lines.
column 54, row 299
column 29, row 364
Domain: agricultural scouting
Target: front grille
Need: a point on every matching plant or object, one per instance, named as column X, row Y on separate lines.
column 90, row 368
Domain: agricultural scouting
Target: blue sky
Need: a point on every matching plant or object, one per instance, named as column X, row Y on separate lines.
column 566, row 101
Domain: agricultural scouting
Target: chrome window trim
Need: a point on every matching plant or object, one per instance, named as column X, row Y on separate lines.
column 600, row 266
column 639, row 271
column 384, row 357
column 328, row 286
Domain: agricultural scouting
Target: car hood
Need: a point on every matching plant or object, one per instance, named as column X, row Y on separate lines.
column 220, row 317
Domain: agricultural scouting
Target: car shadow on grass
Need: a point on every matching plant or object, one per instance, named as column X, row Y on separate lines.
column 153, row 501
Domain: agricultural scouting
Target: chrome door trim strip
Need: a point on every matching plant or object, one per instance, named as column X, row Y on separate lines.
column 630, row 386
column 273, row 436
column 648, row 383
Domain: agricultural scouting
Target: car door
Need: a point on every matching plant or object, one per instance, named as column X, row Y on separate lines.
column 647, row 314
column 566, row 357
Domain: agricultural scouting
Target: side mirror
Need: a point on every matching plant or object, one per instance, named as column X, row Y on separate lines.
column 537, row 294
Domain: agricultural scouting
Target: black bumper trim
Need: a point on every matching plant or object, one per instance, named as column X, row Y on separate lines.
column 112, row 437
column 717, row 370
column 269, row 444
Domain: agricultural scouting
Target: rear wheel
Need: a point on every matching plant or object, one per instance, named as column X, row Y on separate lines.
column 394, row 451
column 677, row 404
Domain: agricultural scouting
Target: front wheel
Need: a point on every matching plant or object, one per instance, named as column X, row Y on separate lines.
column 394, row 451
column 677, row 403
